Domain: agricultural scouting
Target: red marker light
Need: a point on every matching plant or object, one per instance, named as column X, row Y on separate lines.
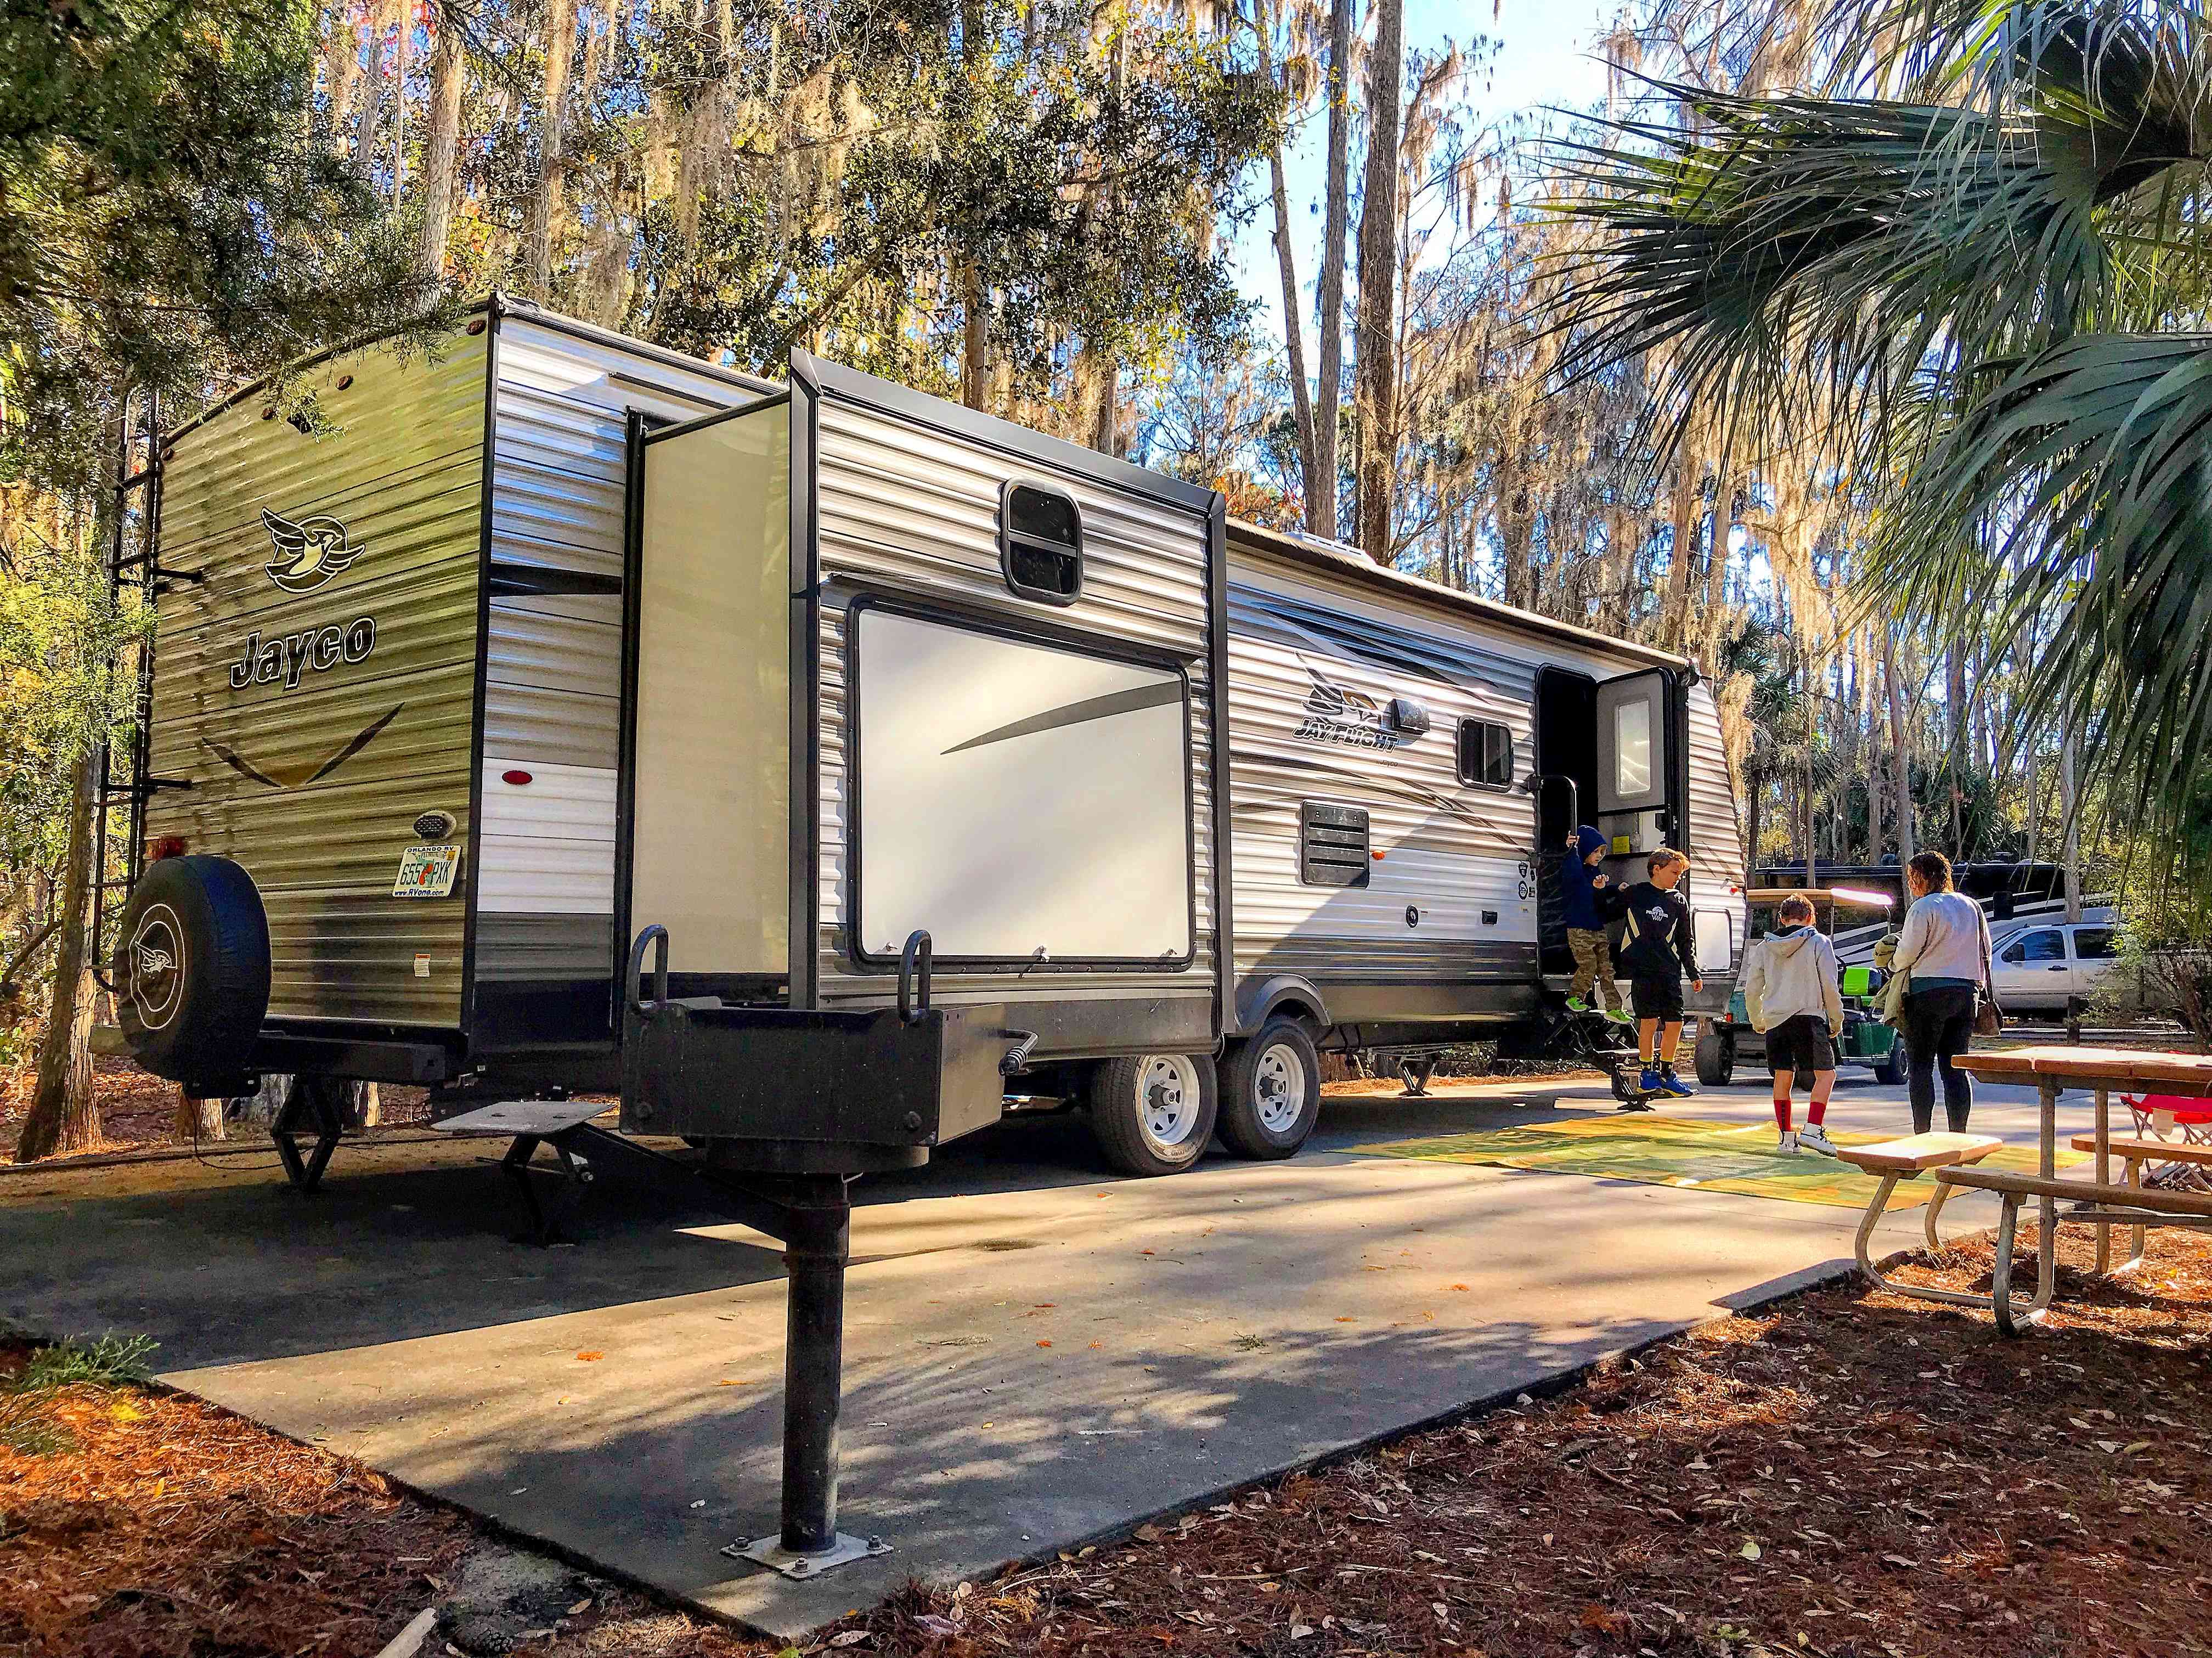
column 517, row 777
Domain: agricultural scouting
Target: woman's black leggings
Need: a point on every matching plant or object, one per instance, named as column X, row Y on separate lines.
column 1938, row 1026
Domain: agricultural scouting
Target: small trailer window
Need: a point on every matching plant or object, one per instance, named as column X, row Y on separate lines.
column 1332, row 845
column 1041, row 542
column 1485, row 754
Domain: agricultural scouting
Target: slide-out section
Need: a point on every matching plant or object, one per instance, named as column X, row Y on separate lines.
column 1020, row 800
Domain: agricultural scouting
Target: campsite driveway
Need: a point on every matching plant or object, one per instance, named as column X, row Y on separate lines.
column 1034, row 1354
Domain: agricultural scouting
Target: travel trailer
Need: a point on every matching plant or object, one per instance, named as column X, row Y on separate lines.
column 515, row 652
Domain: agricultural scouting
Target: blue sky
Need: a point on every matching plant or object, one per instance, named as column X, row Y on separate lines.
column 1546, row 56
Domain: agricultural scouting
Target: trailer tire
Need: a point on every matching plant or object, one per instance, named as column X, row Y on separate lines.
column 1153, row 1113
column 190, row 970
column 1716, row 1057
column 1270, row 1092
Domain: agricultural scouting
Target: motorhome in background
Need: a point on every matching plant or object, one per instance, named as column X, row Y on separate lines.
column 542, row 637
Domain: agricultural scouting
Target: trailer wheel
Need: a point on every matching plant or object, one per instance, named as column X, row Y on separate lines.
column 1270, row 1092
column 1152, row 1115
column 1716, row 1057
column 192, row 969
column 1889, row 1069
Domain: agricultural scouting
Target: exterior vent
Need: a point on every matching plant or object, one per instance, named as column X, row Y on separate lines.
column 1332, row 845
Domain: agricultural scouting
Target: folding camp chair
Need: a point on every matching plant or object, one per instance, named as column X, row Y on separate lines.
column 2179, row 1117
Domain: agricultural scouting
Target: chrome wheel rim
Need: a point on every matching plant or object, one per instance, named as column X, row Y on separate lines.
column 1167, row 1101
column 1279, row 1088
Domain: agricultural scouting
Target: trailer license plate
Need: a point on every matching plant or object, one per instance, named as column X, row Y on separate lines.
column 427, row 873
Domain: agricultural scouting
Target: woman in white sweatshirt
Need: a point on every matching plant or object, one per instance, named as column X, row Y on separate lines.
column 1789, row 991
column 1944, row 951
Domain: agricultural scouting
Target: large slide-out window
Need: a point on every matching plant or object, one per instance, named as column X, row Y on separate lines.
column 1021, row 801
column 711, row 841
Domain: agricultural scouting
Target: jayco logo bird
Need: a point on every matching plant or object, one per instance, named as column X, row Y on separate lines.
column 308, row 553
column 1337, row 713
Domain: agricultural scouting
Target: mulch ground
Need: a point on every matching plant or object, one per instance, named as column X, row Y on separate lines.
column 1845, row 1474
column 138, row 1112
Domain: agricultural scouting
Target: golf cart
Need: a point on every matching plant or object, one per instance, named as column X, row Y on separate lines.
column 1726, row 1041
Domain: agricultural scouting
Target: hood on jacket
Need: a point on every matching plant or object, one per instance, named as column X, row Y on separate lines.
column 1587, row 841
column 1787, row 944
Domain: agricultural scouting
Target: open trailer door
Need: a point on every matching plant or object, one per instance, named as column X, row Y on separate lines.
column 1638, row 761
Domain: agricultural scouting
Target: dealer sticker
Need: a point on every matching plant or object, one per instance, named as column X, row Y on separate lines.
column 427, row 873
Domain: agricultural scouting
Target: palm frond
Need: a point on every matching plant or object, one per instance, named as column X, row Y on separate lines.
column 2078, row 493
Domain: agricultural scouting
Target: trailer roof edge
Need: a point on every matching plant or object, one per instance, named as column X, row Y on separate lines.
column 494, row 304
column 1321, row 556
column 857, row 386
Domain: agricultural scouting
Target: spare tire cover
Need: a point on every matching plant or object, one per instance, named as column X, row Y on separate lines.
column 191, row 970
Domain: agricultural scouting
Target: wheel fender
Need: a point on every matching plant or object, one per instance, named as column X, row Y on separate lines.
column 1257, row 1001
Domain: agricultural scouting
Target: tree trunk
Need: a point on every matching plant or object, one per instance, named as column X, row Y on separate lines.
column 1377, row 367
column 1954, row 693
column 1320, row 493
column 975, row 339
column 1286, row 259
column 1717, row 558
column 64, row 1115
column 341, row 72
column 199, row 1118
column 552, row 162
column 371, row 94
column 2070, row 806
column 441, row 141
column 1900, row 743
column 1689, row 500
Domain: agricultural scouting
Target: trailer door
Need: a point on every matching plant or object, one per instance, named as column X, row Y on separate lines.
column 1638, row 760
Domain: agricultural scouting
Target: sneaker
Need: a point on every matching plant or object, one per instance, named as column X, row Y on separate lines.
column 1577, row 1005
column 1672, row 1086
column 1620, row 1016
column 1813, row 1137
column 1651, row 1082
column 1787, row 1145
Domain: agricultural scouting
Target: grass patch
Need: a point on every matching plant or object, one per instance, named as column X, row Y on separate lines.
column 27, row 1427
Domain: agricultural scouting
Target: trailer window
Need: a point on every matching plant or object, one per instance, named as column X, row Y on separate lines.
column 1485, row 754
column 1041, row 542
column 1332, row 845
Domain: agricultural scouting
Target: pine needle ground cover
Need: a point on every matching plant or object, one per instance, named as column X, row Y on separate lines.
column 1846, row 1474
column 1685, row 1151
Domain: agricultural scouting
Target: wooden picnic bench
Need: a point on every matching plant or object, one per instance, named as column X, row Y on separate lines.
column 1908, row 1159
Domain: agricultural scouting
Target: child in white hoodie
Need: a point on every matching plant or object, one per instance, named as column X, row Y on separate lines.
column 1790, row 991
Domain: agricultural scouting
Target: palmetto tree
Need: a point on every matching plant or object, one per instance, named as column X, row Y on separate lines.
column 1975, row 251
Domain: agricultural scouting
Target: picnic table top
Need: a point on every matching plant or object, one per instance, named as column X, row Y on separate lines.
column 2189, row 1074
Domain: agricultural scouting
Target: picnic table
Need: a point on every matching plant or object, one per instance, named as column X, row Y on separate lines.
column 1952, row 1159
column 2102, row 1071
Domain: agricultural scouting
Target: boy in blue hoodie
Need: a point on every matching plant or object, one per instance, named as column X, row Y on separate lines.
column 1580, row 883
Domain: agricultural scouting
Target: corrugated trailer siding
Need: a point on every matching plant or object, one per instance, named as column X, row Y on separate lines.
column 1716, row 838
column 909, row 510
column 402, row 472
column 553, row 662
column 1452, row 851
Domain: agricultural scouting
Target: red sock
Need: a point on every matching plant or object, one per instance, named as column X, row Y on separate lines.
column 1815, row 1112
column 1782, row 1114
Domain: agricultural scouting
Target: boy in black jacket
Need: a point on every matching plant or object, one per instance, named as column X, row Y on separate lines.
column 1658, row 950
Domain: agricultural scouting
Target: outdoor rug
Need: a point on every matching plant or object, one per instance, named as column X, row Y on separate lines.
column 1686, row 1151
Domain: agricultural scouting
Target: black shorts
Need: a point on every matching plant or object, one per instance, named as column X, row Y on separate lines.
column 1801, row 1043
column 1658, row 998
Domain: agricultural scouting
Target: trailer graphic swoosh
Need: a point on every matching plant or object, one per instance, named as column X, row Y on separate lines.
column 301, row 776
column 1077, row 713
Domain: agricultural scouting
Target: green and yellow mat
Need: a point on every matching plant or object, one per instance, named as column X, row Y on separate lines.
column 1686, row 1151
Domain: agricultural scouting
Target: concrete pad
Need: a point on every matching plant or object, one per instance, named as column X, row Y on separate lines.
column 1034, row 1356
